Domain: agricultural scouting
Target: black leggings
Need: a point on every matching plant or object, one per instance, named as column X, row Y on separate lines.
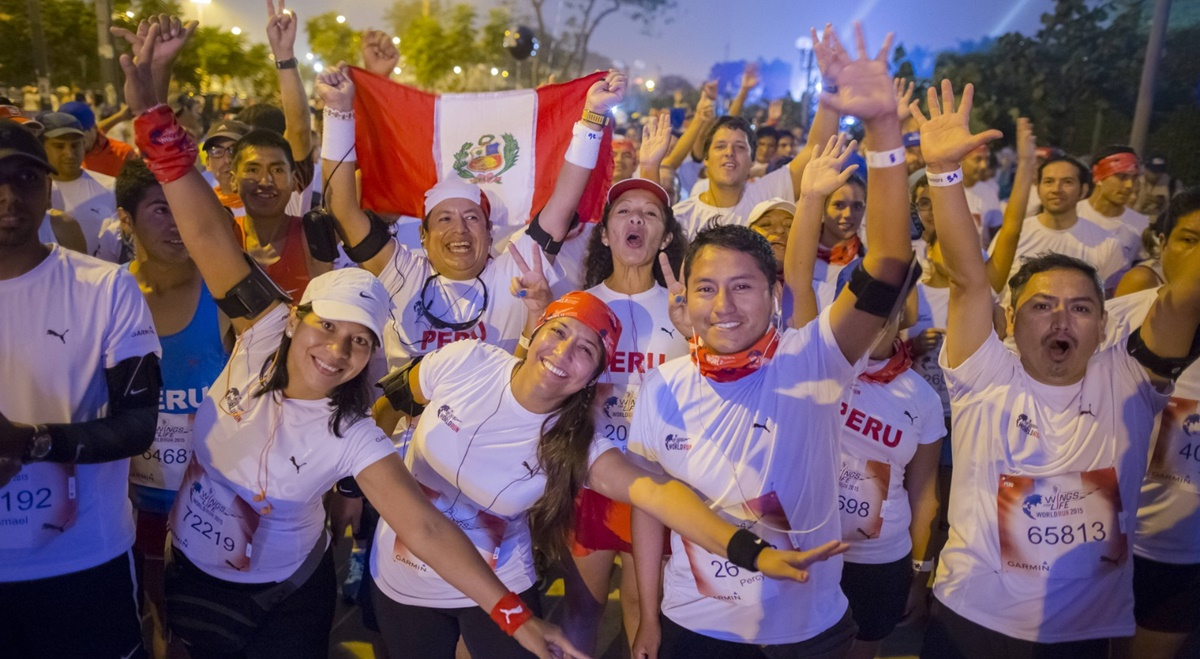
column 682, row 643
column 951, row 636
column 420, row 631
column 298, row 627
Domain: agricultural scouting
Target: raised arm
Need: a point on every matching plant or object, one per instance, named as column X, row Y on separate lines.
column 556, row 215
column 338, row 158
column 706, row 114
column 1170, row 330
column 282, row 25
column 656, row 137
column 825, row 173
column 945, row 140
column 677, row 506
column 749, row 81
column 1004, row 247
column 379, row 54
column 864, row 90
column 830, row 56
column 203, row 222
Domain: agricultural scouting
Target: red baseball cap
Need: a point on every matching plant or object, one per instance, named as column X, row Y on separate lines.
column 621, row 187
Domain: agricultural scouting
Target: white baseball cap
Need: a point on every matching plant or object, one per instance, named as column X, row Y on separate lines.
column 351, row 295
column 769, row 205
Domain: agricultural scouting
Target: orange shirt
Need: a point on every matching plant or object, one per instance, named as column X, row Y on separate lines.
column 108, row 156
column 290, row 270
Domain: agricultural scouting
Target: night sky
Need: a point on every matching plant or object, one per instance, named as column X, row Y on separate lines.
column 703, row 32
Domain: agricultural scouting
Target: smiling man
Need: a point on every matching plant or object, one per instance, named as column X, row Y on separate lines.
column 85, row 196
column 1050, row 446
column 264, row 178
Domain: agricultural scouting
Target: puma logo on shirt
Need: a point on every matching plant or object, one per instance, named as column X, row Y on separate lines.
column 912, row 418
column 761, row 425
column 61, row 337
column 1088, row 411
column 297, row 466
column 670, row 333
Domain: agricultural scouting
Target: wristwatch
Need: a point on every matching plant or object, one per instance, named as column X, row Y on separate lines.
column 38, row 446
column 289, row 63
column 602, row 119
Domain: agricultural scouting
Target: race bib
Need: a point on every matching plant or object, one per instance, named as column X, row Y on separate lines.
column 163, row 465
column 1068, row 526
column 614, row 413
column 1176, row 458
column 862, row 494
column 212, row 520
column 720, row 579
column 38, row 505
column 483, row 529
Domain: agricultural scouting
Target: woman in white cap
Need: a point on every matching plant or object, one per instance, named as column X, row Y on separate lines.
column 503, row 451
column 251, row 572
column 632, row 256
column 456, row 290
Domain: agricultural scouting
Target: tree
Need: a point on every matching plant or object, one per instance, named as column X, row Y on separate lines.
column 332, row 42
column 582, row 19
column 69, row 28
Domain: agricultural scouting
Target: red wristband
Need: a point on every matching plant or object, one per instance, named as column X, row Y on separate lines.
column 168, row 149
column 510, row 613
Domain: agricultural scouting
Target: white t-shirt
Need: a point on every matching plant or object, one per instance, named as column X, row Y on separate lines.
column 882, row 425
column 409, row 332
column 933, row 309
column 694, row 214
column 65, row 322
column 648, row 339
column 474, row 453
column 89, row 199
column 1128, row 226
column 245, row 445
column 1050, row 453
column 825, row 280
column 689, row 174
column 724, row 440
column 983, row 199
column 1084, row 240
column 1169, row 508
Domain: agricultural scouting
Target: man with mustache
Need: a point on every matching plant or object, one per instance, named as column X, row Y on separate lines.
column 1050, row 445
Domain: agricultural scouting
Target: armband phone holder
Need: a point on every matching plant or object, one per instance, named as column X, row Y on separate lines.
column 321, row 235
column 253, row 294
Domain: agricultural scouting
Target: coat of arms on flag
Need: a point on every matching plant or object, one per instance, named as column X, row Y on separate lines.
column 510, row 143
column 486, row 160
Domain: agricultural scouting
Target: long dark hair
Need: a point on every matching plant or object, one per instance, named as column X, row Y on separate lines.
column 348, row 402
column 599, row 260
column 563, row 454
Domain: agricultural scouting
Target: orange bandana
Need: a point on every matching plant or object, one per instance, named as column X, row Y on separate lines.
column 899, row 362
column 841, row 253
column 728, row 368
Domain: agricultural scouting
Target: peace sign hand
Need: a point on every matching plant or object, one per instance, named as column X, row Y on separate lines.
column 946, row 135
column 827, row 171
column 862, row 87
column 282, row 26
column 531, row 287
column 676, row 298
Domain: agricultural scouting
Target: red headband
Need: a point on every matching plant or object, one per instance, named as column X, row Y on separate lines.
column 589, row 310
column 1117, row 163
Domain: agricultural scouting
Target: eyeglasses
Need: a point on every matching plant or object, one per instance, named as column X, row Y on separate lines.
column 219, row 151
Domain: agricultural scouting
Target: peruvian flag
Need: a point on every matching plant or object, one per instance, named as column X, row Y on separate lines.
column 510, row 142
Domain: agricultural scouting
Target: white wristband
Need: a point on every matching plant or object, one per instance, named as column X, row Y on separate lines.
column 884, row 159
column 584, row 150
column 944, row 180
column 524, row 342
column 337, row 138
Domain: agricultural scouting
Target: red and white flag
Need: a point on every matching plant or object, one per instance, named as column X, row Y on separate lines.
column 511, row 143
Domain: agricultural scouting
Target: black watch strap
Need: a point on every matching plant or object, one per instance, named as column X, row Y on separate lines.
column 289, row 63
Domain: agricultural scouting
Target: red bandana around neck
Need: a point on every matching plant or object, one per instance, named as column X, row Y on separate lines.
column 841, row 253
column 728, row 368
column 899, row 362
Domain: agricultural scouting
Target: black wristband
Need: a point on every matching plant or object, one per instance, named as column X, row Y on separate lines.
column 744, row 548
column 375, row 241
column 1169, row 368
column 348, row 487
column 543, row 238
column 286, row 64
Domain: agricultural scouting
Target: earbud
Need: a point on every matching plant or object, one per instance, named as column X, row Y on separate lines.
column 288, row 333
